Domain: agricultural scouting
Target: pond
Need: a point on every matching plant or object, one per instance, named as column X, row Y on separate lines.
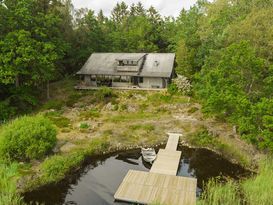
column 97, row 182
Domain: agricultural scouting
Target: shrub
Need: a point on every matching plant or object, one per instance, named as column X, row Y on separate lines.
column 27, row 138
column 172, row 89
column 183, row 84
column 53, row 104
column 105, row 92
column 84, row 126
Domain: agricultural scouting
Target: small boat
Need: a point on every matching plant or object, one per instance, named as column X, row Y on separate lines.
column 148, row 154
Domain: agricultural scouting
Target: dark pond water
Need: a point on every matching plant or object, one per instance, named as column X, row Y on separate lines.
column 97, row 182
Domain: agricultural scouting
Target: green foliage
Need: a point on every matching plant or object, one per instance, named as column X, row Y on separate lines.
column 231, row 73
column 27, row 138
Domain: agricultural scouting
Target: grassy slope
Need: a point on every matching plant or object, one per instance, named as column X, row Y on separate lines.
column 91, row 122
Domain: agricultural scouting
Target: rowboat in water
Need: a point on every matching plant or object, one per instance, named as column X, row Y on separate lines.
column 148, row 154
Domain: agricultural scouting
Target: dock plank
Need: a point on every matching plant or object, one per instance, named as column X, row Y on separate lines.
column 172, row 141
column 156, row 188
column 167, row 162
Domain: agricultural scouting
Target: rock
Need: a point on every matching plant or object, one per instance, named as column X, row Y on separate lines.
column 109, row 107
column 67, row 147
column 131, row 108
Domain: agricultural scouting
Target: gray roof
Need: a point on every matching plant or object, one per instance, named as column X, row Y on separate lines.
column 155, row 64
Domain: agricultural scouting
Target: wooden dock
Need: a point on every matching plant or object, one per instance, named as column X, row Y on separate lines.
column 161, row 184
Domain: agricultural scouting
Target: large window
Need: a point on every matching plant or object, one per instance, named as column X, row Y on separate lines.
column 140, row 80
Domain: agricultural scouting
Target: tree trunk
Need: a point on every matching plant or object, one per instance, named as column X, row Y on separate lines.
column 17, row 83
column 47, row 90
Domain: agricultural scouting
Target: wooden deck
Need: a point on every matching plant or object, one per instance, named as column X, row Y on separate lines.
column 160, row 184
column 146, row 187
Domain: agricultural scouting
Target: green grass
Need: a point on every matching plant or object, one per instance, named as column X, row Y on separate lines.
column 123, row 117
column 146, row 127
column 259, row 189
column 252, row 191
column 57, row 167
column 219, row 194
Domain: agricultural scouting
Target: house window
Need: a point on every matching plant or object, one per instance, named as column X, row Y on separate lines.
column 121, row 63
column 140, row 79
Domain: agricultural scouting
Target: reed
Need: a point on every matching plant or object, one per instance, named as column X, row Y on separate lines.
column 8, row 193
column 220, row 194
column 259, row 189
column 252, row 191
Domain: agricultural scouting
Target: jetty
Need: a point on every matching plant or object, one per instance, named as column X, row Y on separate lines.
column 160, row 185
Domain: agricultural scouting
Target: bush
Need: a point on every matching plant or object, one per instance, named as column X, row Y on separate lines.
column 84, row 125
column 172, row 89
column 183, row 84
column 6, row 111
column 27, row 138
column 53, row 104
column 105, row 92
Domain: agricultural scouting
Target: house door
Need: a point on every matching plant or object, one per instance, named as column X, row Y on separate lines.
column 134, row 80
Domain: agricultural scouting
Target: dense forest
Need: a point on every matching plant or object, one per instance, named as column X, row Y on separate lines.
column 224, row 47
